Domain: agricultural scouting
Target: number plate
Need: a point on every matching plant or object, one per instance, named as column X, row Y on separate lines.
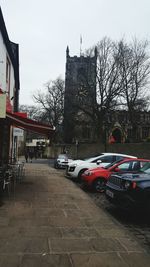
column 109, row 193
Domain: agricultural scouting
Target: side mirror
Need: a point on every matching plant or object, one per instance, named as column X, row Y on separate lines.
column 98, row 162
column 116, row 170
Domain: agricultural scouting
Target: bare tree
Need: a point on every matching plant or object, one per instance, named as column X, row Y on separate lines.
column 33, row 112
column 109, row 80
column 134, row 66
column 122, row 79
column 108, row 84
column 51, row 103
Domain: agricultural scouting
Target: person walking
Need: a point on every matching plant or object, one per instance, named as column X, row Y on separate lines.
column 26, row 156
column 31, row 155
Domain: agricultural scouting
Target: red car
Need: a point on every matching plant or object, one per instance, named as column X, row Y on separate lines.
column 97, row 178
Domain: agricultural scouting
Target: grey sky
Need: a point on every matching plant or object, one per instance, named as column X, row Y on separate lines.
column 44, row 28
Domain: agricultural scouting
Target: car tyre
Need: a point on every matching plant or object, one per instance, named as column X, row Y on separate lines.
column 56, row 166
column 99, row 185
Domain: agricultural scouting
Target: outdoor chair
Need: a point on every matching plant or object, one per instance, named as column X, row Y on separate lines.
column 7, row 180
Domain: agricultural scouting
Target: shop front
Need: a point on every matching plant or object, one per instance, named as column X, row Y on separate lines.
column 10, row 120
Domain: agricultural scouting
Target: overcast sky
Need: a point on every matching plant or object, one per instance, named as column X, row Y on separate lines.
column 44, row 28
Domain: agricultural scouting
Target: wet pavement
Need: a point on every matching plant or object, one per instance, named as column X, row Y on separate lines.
column 50, row 221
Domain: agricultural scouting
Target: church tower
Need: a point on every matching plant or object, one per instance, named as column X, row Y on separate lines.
column 80, row 77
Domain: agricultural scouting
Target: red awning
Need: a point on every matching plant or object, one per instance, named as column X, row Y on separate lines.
column 25, row 123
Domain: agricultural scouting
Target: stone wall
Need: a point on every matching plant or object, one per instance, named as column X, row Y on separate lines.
column 87, row 150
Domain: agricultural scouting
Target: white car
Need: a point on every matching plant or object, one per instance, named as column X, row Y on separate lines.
column 77, row 167
column 62, row 161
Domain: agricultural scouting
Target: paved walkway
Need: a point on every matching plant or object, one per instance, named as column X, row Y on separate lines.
column 50, row 222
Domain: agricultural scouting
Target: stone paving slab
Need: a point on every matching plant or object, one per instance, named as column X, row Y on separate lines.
column 78, row 232
column 98, row 260
column 22, row 245
column 46, row 260
column 50, row 221
column 85, row 245
column 10, row 260
column 110, row 260
column 136, row 259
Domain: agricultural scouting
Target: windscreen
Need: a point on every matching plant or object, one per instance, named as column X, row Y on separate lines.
column 112, row 164
column 92, row 158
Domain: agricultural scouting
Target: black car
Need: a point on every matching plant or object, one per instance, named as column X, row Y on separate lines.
column 130, row 190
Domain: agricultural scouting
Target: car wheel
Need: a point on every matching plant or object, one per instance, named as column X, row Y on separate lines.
column 99, row 185
column 55, row 166
column 80, row 174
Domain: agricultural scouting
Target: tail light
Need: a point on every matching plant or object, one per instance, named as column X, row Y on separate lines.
column 134, row 185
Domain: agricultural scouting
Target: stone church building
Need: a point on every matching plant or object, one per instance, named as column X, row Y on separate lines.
column 80, row 128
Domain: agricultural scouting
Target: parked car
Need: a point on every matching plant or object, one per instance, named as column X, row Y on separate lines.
column 61, row 162
column 130, row 190
column 77, row 167
column 96, row 178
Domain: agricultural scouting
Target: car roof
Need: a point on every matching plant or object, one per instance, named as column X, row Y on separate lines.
column 113, row 154
column 117, row 154
column 132, row 159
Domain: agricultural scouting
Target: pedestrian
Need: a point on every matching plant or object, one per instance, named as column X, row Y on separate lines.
column 26, row 156
column 31, row 156
column 1, row 189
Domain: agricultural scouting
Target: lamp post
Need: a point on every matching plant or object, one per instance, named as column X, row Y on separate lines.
column 105, row 127
column 105, row 138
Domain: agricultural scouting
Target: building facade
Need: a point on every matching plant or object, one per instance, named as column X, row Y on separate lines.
column 10, row 117
column 120, row 130
column 9, row 89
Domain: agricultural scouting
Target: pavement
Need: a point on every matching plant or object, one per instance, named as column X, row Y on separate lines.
column 50, row 222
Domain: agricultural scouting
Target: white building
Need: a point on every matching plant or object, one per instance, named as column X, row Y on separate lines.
column 9, row 89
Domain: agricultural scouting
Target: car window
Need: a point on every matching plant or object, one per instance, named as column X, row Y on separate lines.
column 62, row 156
column 86, row 159
column 107, row 159
column 145, row 167
column 130, row 166
column 118, row 158
column 136, row 165
column 145, row 164
column 92, row 159
column 124, row 166
column 147, row 171
column 112, row 164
